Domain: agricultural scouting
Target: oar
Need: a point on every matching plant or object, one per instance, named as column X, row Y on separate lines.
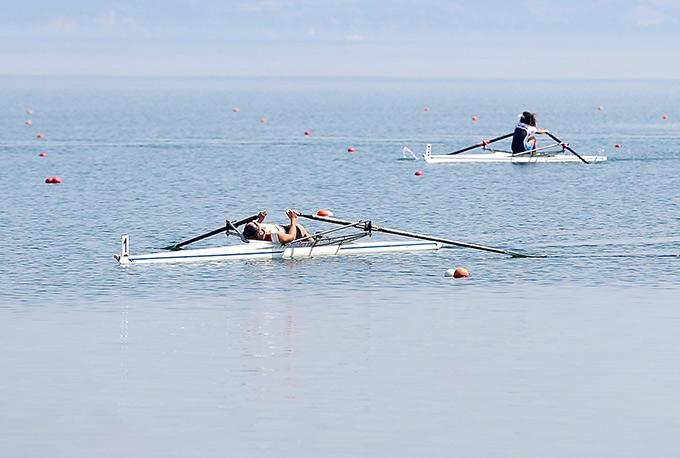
column 315, row 237
column 534, row 151
column 178, row 246
column 482, row 143
column 565, row 146
column 368, row 226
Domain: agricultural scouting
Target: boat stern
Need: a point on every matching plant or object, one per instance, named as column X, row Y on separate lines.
column 124, row 257
column 427, row 157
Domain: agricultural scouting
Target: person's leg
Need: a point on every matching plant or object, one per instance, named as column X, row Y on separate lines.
column 302, row 232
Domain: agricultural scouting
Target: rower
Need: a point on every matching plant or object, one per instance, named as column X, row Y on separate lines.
column 523, row 139
column 275, row 233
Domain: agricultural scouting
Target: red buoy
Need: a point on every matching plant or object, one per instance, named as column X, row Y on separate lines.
column 351, row 149
column 419, row 173
column 40, row 136
column 308, row 133
column 28, row 122
column 426, row 109
column 461, row 272
column 263, row 120
column 43, row 154
column 618, row 145
column 664, row 116
column 324, row 213
column 56, row 180
column 29, row 111
column 475, row 118
column 236, row 109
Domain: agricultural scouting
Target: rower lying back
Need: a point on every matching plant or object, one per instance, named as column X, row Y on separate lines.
column 325, row 243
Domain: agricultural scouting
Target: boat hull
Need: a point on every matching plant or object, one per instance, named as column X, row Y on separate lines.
column 499, row 157
column 269, row 251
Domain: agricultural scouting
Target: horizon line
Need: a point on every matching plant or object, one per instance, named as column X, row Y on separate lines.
column 329, row 77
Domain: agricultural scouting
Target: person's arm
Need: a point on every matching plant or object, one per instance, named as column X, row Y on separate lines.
column 261, row 215
column 542, row 131
column 285, row 237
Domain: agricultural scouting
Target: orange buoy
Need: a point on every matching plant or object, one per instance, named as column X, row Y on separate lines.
column 475, row 118
column 351, row 149
column 618, row 145
column 40, row 136
column 426, row 109
column 419, row 173
column 324, row 213
column 43, row 154
column 308, row 133
column 461, row 272
column 236, row 109
column 28, row 122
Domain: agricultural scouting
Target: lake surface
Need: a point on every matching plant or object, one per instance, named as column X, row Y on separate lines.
column 570, row 355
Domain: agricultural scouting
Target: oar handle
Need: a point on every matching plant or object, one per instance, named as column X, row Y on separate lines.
column 482, row 143
column 219, row 230
column 243, row 221
column 565, row 146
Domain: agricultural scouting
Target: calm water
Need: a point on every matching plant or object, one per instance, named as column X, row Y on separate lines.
column 571, row 355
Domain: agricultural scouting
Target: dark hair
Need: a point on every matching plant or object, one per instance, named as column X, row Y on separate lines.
column 528, row 118
column 250, row 231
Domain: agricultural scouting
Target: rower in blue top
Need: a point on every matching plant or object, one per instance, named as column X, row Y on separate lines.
column 523, row 138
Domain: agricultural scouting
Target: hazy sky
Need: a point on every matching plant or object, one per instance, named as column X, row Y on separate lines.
column 483, row 38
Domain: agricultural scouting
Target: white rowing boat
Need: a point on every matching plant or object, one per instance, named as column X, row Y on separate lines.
column 325, row 243
column 266, row 251
column 494, row 156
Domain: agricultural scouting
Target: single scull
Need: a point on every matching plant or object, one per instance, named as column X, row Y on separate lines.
column 495, row 156
column 556, row 152
column 326, row 243
column 267, row 251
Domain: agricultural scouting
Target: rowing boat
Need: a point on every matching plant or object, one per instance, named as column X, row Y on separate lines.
column 495, row 156
column 325, row 243
column 259, row 250
column 544, row 154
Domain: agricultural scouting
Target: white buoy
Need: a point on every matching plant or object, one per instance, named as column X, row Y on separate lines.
column 449, row 272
